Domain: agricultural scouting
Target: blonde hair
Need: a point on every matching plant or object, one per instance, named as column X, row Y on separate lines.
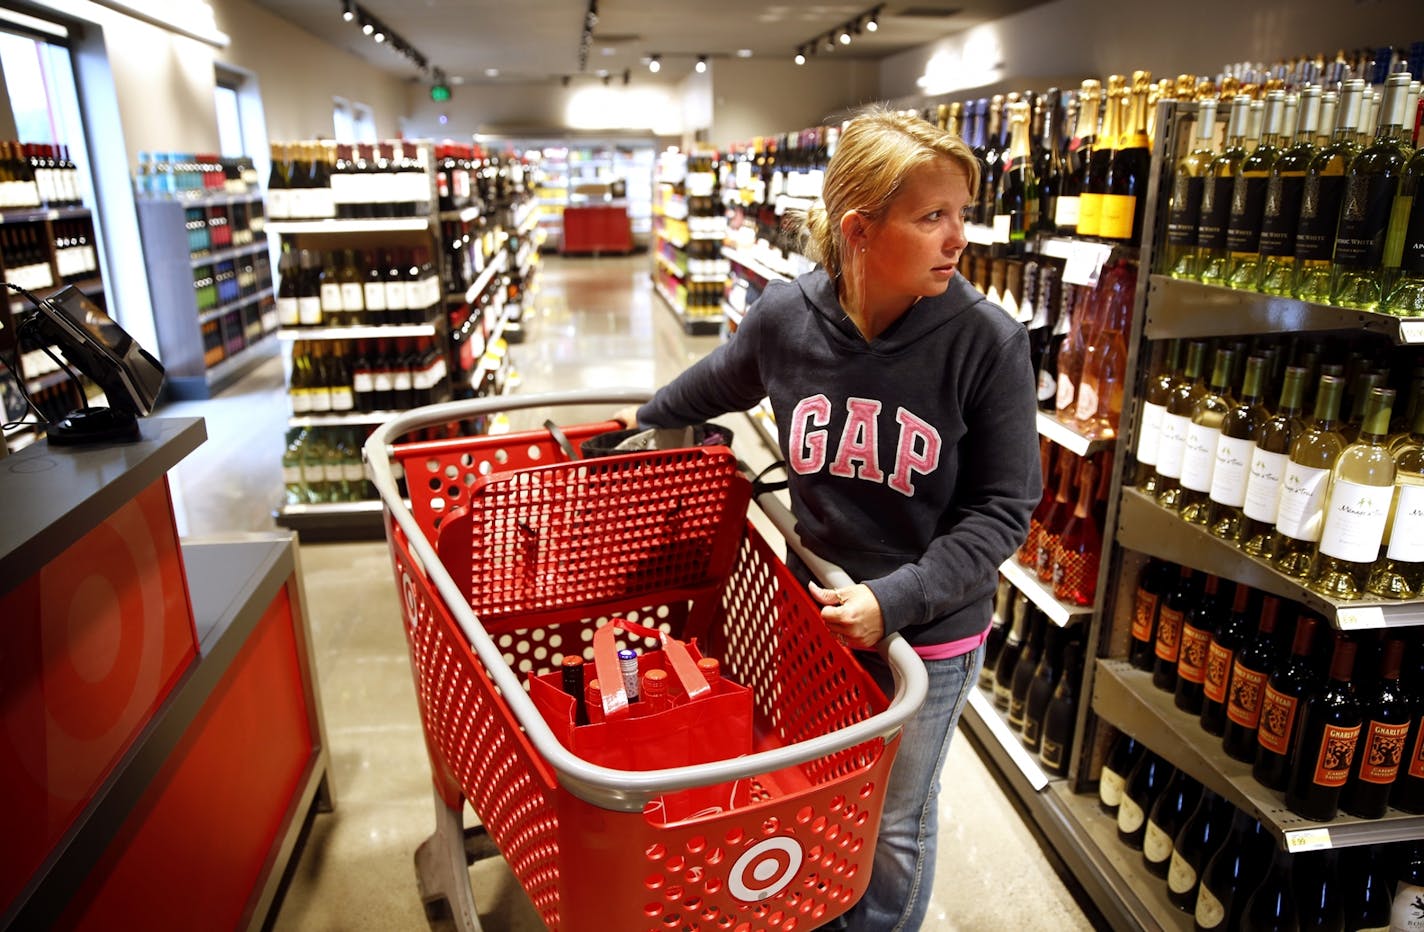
column 878, row 148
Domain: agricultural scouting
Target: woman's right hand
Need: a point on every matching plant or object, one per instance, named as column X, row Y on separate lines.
column 628, row 416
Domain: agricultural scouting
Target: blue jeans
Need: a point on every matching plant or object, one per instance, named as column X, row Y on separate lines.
column 902, row 877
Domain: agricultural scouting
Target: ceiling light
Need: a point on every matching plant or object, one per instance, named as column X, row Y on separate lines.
column 744, row 53
column 701, row 65
column 873, row 23
column 800, row 58
column 367, row 28
column 348, row 11
column 491, row 72
column 379, row 37
column 845, row 36
column 655, row 64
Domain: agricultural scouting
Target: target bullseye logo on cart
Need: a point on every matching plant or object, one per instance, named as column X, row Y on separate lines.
column 765, row 869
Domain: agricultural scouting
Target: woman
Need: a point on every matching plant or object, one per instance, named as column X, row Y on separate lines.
column 905, row 406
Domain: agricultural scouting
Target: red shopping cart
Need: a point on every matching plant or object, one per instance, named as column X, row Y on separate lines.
column 508, row 557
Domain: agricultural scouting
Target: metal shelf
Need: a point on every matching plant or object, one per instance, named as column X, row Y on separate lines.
column 1125, row 696
column 1146, row 527
column 334, row 521
column 756, row 267
column 39, row 214
column 1069, row 438
column 352, row 419
column 231, row 306
column 481, row 282
column 357, row 333
column 1009, row 745
column 1059, row 612
column 1177, row 308
column 212, row 257
column 383, row 225
column 693, row 326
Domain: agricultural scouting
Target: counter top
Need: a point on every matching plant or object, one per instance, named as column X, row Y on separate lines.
column 50, row 497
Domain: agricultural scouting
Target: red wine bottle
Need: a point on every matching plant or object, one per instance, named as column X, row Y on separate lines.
column 1152, row 586
column 1144, row 785
column 1271, row 906
column 1226, row 640
column 1367, row 882
column 1325, row 747
column 1192, row 849
column 1201, row 619
column 1408, row 791
column 1169, row 630
column 1251, row 669
column 1319, row 891
column 1125, row 752
column 1280, row 708
column 1386, row 727
column 1233, row 872
column 1169, row 813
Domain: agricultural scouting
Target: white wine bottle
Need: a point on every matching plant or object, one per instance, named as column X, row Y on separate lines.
column 1234, row 451
column 1305, row 486
column 1361, row 486
column 1199, row 457
column 1283, row 191
column 1400, row 575
column 1270, row 454
column 1184, row 210
column 1248, row 197
column 1321, row 198
column 1213, row 261
column 1175, row 422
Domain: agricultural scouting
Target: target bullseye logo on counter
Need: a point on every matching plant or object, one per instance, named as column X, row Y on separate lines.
column 765, row 869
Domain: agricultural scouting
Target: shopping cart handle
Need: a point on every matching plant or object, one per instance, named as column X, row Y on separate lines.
column 621, row 790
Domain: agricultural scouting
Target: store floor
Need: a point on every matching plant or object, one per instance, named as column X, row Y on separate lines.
column 598, row 323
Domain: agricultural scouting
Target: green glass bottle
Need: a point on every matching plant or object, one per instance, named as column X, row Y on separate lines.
column 1199, row 457
column 1405, row 296
column 1358, row 272
column 1305, row 486
column 1400, row 575
column 1213, row 260
column 1176, row 421
column 1184, row 210
column 1248, row 197
column 1283, row 192
column 1234, row 452
column 1357, row 509
column 1321, row 198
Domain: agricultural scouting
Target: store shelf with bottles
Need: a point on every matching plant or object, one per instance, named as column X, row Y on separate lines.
column 1060, row 612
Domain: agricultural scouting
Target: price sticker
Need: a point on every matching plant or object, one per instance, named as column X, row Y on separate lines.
column 1366, row 616
column 1085, row 261
column 1411, row 331
column 1310, row 839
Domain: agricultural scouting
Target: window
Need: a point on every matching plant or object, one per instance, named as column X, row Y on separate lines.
column 40, row 82
column 229, row 121
column 352, row 122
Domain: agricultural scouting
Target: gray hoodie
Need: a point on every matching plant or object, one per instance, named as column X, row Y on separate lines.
column 913, row 458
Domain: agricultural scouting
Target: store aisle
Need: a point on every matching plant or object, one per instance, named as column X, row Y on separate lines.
column 598, row 323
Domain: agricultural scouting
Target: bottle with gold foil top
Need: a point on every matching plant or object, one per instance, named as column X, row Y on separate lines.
column 1248, row 197
column 1090, row 206
column 1199, row 457
column 1305, row 485
column 1400, row 575
column 1213, row 260
column 1126, row 198
column 1184, row 210
column 1079, row 159
column 1016, row 205
column 1361, row 486
column 1176, row 420
column 1284, row 187
column 1234, row 450
column 1321, row 198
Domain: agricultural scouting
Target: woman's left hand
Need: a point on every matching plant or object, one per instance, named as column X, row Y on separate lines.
column 852, row 614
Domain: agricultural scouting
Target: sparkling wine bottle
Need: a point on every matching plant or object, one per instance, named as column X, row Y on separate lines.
column 1040, row 689
column 1246, row 689
column 1325, row 745
column 1381, row 748
column 1271, row 907
column 1357, row 507
column 1009, row 653
column 1057, row 517
column 999, row 626
column 1016, row 204
column 1122, row 757
column 1095, row 186
column 1306, row 483
column 1286, row 692
column 1232, row 631
column 1233, row 872
column 1199, row 456
column 1125, row 200
column 1079, row 159
column 1168, row 644
column 1407, row 910
column 1079, row 547
column 1028, row 551
column 1146, row 782
column 1061, row 714
column 1024, row 668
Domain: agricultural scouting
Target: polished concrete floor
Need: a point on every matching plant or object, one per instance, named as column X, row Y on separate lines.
column 597, row 324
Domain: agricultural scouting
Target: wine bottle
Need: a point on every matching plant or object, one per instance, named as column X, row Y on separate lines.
column 1400, row 575
column 1122, row 757
column 1098, row 407
column 1077, row 550
column 1048, row 162
column 1176, row 420
column 1319, row 892
column 1009, row 653
column 1199, row 838
column 1234, row 450
column 1174, row 805
column 1095, row 187
column 1126, row 197
column 1366, row 882
column 1248, row 198
column 1306, row 483
column 1233, row 872
column 1154, row 405
column 1079, row 161
column 1062, row 298
column 1152, row 586
column 1232, row 631
column 1073, row 350
column 1028, row 550
column 1357, row 507
column 1016, row 206
column 999, row 626
column 1408, row 791
column 1197, row 625
column 1246, row 689
column 993, row 155
column 1286, row 692
column 1199, row 455
column 1057, row 517
column 1168, row 643
column 1271, row 444
column 1271, row 907
column 1405, row 296
column 1358, row 272
column 1040, row 689
column 1407, row 910
column 1024, row 668
column 1382, row 742
column 1062, row 713
column 1325, row 745
column 1284, row 187
column 1321, row 198
column 1213, row 261
column 289, row 277
column 1188, row 181
column 1144, row 784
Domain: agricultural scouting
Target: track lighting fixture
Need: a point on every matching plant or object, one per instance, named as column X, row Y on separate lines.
column 872, row 23
column 800, row 58
column 869, row 21
column 348, row 10
column 701, row 65
column 353, row 12
column 655, row 64
column 844, row 36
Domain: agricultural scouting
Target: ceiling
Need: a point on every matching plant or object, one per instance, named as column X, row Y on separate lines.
column 484, row 41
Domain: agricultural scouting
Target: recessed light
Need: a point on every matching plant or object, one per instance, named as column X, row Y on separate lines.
column 744, row 53
column 491, row 72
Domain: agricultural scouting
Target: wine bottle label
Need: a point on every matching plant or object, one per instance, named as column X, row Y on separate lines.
column 352, row 472
column 1000, row 229
column 395, row 296
column 311, row 473
column 1087, row 407
column 1277, row 721
column 1280, row 215
column 1407, row 913
column 1263, row 485
column 1110, row 784
column 1149, row 435
column 1364, row 218
column 288, row 313
column 382, row 381
column 1173, row 445
column 320, row 400
column 1090, row 212
column 1066, row 391
column 301, row 400
column 1319, row 211
column 1302, row 504
column 1181, row 876
column 1228, row 477
column 331, row 297
column 1248, row 201
column 1016, row 712
column 1381, row 751
column 1415, row 766
column 1075, row 574
column 1051, row 754
column 309, row 310
column 401, row 380
column 1065, row 212
column 342, row 398
column 1185, row 212
column 332, row 472
column 1218, row 671
column 1129, row 815
column 278, row 204
column 1411, row 258
column 1144, row 612
column 1047, row 385
column 1192, row 659
column 1198, row 457
column 1169, row 634
column 1156, row 844
column 1334, row 755
column 1215, row 213
column 1406, row 540
column 361, row 381
column 1210, row 912
column 292, row 475
column 1243, row 695
column 1354, row 521
column 352, row 297
column 1116, row 219
column 375, row 294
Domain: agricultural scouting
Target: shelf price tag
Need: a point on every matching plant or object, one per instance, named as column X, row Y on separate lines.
column 1411, row 331
column 1310, row 839
column 1365, row 616
column 1085, row 261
